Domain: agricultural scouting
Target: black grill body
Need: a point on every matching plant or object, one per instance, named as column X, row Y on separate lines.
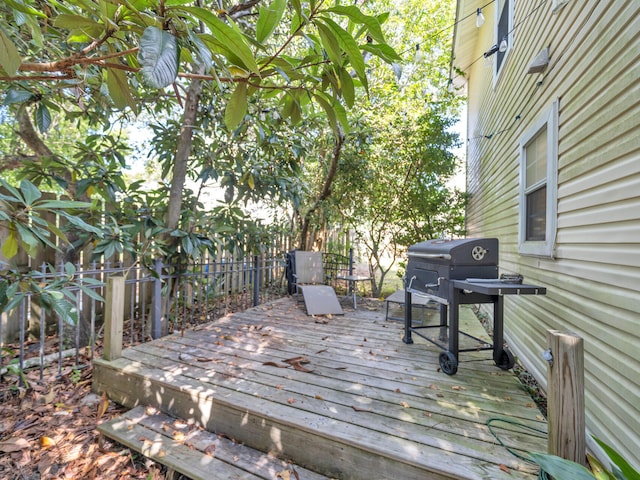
column 434, row 262
column 457, row 272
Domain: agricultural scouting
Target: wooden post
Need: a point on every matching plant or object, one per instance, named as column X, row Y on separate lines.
column 565, row 402
column 113, row 318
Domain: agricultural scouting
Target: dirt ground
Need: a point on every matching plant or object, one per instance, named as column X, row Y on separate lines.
column 48, row 431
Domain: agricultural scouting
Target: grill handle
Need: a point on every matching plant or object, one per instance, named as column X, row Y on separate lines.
column 443, row 256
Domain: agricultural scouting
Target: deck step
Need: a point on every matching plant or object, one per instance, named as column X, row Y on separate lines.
column 187, row 449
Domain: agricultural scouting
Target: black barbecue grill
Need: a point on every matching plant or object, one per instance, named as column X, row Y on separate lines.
column 459, row 272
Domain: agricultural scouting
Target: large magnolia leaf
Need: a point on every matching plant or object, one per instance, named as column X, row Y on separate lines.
column 269, row 18
column 119, row 90
column 237, row 107
column 235, row 47
column 354, row 13
column 43, row 118
column 158, row 55
column 351, row 48
column 9, row 55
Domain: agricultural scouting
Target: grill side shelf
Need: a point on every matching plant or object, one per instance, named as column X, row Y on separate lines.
column 492, row 287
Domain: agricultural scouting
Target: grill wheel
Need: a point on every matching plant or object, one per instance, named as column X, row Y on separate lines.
column 505, row 360
column 448, row 362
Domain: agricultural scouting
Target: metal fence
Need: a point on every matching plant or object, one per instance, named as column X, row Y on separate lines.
column 157, row 301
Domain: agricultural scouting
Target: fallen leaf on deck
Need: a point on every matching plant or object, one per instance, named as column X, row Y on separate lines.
column 319, row 397
column 291, row 401
column 297, row 360
column 177, row 436
column 46, row 442
column 274, row 364
column 504, row 468
column 458, row 387
column 361, row 409
column 322, row 351
column 13, row 445
column 284, row 475
column 103, row 405
column 300, row 368
column 397, row 390
column 210, row 449
column 404, row 404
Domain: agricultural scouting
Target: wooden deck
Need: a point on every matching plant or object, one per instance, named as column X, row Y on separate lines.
column 365, row 406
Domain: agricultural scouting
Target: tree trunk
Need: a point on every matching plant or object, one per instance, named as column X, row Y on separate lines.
column 325, row 192
column 183, row 151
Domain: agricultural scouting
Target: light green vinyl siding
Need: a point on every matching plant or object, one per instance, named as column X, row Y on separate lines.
column 593, row 281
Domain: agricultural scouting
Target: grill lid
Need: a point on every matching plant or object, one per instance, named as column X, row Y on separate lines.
column 463, row 251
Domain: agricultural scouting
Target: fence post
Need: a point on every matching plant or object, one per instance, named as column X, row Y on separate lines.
column 113, row 318
column 565, row 400
column 256, row 280
column 156, row 316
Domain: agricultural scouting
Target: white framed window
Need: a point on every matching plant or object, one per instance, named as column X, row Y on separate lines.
column 504, row 34
column 539, row 186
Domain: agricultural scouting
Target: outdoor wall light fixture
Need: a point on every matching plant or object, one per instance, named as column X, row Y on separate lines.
column 479, row 18
column 491, row 51
column 503, row 45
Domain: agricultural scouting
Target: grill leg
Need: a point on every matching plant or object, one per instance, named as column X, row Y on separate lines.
column 498, row 328
column 407, row 318
column 443, row 323
column 454, row 320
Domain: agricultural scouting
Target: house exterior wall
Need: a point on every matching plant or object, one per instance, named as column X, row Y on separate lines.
column 593, row 278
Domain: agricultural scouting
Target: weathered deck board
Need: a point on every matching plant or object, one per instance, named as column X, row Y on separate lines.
column 197, row 453
column 377, row 407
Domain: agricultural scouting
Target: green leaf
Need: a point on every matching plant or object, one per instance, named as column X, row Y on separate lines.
column 625, row 468
column 347, row 88
column 158, row 55
column 352, row 50
column 203, row 54
column 330, row 43
column 269, row 18
column 10, row 245
column 119, row 90
column 43, row 118
column 330, row 112
column 63, row 204
column 69, row 269
column 75, row 22
column 28, row 239
column 233, row 42
column 9, row 55
column 561, row 468
column 237, row 107
column 30, row 192
column 90, row 292
column 15, row 95
column 19, row 6
column 385, row 52
column 81, row 224
column 354, row 13
column 342, row 117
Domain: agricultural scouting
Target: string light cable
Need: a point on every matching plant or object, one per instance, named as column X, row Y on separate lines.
column 496, row 47
column 542, row 475
column 540, row 82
